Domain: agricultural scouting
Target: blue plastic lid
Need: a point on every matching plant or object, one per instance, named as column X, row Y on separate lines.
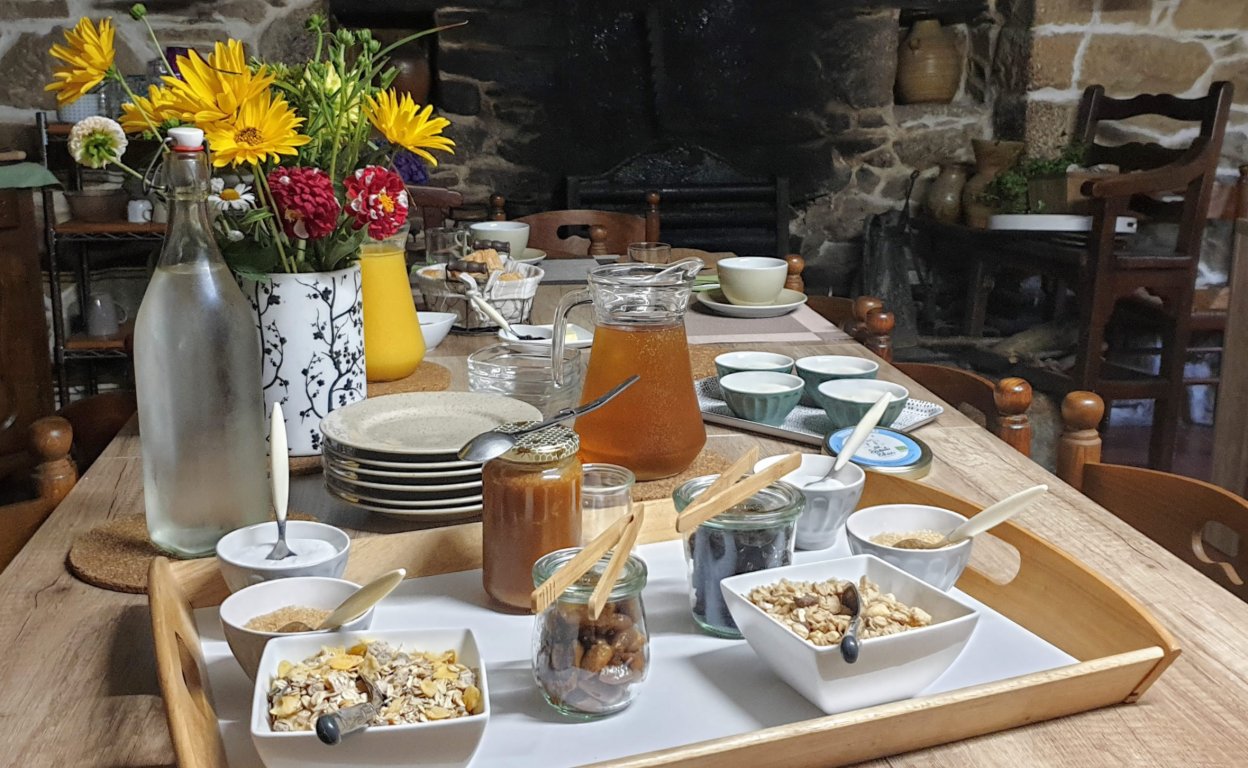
column 884, row 448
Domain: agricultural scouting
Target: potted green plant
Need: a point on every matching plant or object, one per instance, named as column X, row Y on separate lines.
column 1033, row 184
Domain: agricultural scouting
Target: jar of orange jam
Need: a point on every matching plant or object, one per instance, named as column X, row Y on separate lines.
column 531, row 505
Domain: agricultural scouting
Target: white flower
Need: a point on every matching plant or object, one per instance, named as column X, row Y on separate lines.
column 236, row 198
column 234, row 236
column 97, row 141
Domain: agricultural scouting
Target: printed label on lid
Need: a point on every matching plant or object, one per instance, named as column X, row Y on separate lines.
column 881, row 449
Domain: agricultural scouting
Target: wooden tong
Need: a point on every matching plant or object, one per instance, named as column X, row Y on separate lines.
column 622, row 535
column 726, row 492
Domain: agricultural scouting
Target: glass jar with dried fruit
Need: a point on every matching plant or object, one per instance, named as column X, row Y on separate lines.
column 530, row 505
column 588, row 668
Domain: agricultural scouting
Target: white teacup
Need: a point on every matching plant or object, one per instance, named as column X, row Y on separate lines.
column 752, row 281
column 514, row 233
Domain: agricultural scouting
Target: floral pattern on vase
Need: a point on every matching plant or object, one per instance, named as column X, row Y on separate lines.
column 311, row 329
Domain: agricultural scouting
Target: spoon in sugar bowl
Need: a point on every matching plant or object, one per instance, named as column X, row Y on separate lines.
column 279, row 480
column 356, row 604
column 989, row 517
column 855, row 440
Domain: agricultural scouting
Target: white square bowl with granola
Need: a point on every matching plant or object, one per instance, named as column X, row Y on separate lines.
column 792, row 617
column 434, row 707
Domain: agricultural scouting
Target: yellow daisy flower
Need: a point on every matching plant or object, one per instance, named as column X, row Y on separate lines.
column 88, row 55
column 213, row 89
column 158, row 107
column 403, row 122
column 265, row 127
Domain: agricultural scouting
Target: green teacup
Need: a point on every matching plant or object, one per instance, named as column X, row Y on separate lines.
column 736, row 362
column 763, row 396
column 846, row 401
column 817, row 369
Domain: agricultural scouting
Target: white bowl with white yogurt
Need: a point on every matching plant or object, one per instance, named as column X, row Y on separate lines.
column 320, row 550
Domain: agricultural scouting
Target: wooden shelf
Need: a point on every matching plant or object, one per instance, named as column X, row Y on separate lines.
column 75, row 227
column 82, row 343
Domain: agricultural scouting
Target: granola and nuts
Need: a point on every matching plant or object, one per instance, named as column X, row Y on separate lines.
column 814, row 611
column 414, row 687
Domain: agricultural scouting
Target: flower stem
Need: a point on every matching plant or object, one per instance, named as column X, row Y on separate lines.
column 160, row 51
column 116, row 76
column 262, row 186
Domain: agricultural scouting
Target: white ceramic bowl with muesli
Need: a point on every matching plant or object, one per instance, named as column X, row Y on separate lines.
column 432, row 718
column 910, row 634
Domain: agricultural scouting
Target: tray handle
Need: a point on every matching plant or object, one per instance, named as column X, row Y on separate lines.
column 180, row 670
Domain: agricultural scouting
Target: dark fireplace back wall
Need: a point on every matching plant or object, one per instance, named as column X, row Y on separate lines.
column 538, row 91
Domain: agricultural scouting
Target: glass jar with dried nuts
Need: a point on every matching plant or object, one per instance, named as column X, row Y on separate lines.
column 531, row 505
column 589, row 668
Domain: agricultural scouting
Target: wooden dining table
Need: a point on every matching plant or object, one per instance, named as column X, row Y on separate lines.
column 80, row 688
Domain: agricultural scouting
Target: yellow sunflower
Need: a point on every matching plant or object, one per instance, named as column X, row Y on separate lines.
column 265, row 127
column 403, row 122
column 88, row 55
column 213, row 89
column 158, row 107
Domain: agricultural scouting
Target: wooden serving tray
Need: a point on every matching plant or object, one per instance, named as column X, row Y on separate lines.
column 1121, row 650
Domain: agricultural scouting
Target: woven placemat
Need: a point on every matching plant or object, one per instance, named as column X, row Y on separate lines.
column 702, row 359
column 428, row 377
column 705, row 464
column 117, row 554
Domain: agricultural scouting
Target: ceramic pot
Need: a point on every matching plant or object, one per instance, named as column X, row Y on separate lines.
column 944, row 197
column 929, row 66
column 991, row 157
column 312, row 347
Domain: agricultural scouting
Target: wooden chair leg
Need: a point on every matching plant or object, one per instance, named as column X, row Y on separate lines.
column 1012, row 397
column 1166, row 411
column 981, row 285
column 1080, row 443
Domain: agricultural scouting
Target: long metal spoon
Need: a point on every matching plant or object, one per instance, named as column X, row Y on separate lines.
column 356, row 604
column 849, row 643
column 279, row 479
column 474, row 294
column 989, row 517
column 489, row 445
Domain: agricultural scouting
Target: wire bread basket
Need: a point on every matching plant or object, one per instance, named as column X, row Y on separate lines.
column 513, row 298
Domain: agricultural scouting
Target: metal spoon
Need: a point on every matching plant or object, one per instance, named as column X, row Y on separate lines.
column 849, row 643
column 279, row 479
column 332, row 727
column 989, row 517
column 356, row 604
column 474, row 294
column 489, row 445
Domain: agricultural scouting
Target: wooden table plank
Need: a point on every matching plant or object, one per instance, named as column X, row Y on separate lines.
column 80, row 687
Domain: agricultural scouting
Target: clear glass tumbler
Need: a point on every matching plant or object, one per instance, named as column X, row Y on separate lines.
column 445, row 244
column 650, row 253
column 606, row 496
column 525, row 373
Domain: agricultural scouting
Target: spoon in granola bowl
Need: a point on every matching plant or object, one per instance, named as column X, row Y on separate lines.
column 849, row 643
column 333, row 726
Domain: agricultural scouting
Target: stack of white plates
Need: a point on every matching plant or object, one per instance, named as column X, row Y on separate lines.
column 396, row 454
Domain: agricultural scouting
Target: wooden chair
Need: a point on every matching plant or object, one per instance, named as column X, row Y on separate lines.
column 1172, row 510
column 54, row 474
column 559, row 232
column 1004, row 404
column 434, row 203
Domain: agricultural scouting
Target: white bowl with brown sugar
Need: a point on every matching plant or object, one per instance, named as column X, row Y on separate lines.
column 267, row 606
column 876, row 530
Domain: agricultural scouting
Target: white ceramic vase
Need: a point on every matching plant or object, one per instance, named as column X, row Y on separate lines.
column 312, row 343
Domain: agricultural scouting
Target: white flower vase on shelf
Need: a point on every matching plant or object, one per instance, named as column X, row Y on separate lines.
column 312, row 343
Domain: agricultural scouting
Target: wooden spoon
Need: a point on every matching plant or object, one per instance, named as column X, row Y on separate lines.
column 989, row 517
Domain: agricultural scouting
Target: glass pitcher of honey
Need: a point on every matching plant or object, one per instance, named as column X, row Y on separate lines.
column 655, row 427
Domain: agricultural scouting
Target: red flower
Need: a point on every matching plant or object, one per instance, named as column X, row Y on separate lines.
column 376, row 197
column 305, row 201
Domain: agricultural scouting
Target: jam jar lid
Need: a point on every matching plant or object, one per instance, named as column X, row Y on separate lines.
column 543, row 446
column 631, row 581
column 772, row 506
column 887, row 451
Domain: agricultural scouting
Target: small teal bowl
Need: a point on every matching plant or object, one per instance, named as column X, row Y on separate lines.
column 763, row 396
column 738, row 362
column 846, row 401
column 817, row 369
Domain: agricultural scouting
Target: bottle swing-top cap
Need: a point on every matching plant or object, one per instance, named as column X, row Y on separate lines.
column 185, row 138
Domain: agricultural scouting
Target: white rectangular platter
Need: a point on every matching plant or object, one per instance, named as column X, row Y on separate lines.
column 698, row 688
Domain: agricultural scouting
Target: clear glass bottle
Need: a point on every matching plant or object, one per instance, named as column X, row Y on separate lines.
column 197, row 376
column 589, row 668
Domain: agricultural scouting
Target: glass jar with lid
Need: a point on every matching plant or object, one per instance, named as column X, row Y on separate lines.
column 531, row 505
column 589, row 668
column 755, row 535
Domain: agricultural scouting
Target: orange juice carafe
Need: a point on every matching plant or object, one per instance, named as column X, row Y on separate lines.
column 655, row 426
column 393, row 343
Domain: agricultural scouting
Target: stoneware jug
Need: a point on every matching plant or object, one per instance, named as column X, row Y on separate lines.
column 944, row 196
column 991, row 157
column 929, row 66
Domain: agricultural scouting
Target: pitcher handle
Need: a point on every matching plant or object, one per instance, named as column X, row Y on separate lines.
column 569, row 302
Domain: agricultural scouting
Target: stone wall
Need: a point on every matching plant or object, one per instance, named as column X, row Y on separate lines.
column 28, row 28
column 1136, row 46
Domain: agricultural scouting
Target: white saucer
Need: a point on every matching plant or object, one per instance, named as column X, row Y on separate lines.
column 531, row 256
column 788, row 301
column 583, row 336
column 1055, row 222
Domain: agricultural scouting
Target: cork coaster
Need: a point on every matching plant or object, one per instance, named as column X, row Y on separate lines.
column 705, row 464
column 702, row 359
column 116, row 555
column 428, row 377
